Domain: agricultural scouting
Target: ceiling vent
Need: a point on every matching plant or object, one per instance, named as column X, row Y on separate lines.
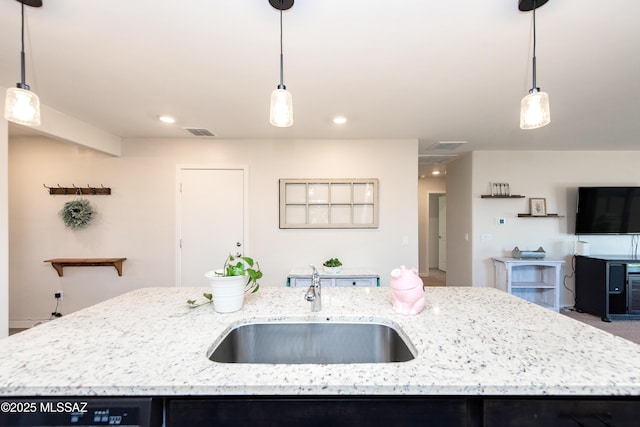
column 447, row 145
column 434, row 159
column 199, row 131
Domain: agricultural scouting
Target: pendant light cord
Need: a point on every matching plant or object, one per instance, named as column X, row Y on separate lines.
column 22, row 61
column 281, row 86
column 534, row 46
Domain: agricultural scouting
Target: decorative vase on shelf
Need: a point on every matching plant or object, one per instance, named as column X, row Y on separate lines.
column 332, row 266
column 228, row 291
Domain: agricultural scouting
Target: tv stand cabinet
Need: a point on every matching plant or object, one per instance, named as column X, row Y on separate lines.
column 608, row 286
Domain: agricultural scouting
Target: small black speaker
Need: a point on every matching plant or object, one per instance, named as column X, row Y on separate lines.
column 616, row 278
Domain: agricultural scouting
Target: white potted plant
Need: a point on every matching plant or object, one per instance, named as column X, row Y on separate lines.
column 332, row 266
column 229, row 284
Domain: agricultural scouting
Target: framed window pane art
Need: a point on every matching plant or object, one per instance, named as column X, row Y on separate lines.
column 329, row 203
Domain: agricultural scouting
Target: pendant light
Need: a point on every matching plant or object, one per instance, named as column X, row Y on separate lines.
column 281, row 112
column 21, row 105
column 534, row 108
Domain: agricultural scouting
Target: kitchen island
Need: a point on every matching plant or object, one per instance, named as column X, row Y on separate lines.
column 469, row 342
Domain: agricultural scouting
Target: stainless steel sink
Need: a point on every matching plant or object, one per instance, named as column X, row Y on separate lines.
column 312, row 342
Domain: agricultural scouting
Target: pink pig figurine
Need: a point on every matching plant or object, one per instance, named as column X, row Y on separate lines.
column 407, row 291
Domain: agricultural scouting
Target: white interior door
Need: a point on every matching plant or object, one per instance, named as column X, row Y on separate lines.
column 211, row 220
column 442, row 233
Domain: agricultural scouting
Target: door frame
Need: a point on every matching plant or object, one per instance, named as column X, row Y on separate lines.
column 432, row 232
column 440, row 220
column 178, row 208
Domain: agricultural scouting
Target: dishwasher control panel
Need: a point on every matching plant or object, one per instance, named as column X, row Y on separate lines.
column 81, row 411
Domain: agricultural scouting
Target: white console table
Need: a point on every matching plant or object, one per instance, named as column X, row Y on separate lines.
column 535, row 280
column 301, row 277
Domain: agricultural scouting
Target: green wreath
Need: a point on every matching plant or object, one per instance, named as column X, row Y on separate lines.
column 77, row 214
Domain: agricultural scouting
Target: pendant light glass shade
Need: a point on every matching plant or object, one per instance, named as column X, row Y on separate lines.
column 534, row 110
column 22, row 106
column 281, row 111
column 281, row 108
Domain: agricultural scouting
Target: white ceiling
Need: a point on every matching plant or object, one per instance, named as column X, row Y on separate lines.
column 452, row 70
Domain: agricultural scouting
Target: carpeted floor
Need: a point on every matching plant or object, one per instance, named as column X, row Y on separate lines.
column 627, row 329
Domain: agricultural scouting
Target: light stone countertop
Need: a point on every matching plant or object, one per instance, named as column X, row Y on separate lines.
column 470, row 341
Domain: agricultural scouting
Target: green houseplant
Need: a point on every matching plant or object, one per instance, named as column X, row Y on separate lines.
column 242, row 266
column 239, row 275
column 332, row 265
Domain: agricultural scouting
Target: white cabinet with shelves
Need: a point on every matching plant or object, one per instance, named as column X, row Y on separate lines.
column 301, row 277
column 537, row 281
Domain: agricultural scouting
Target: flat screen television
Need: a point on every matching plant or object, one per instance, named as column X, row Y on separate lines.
column 608, row 210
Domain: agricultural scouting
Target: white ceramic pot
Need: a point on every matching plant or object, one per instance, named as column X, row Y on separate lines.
column 332, row 270
column 228, row 292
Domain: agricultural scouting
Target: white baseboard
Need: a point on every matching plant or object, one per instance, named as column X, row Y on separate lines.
column 24, row 324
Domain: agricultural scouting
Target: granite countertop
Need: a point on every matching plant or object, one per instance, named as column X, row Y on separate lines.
column 470, row 341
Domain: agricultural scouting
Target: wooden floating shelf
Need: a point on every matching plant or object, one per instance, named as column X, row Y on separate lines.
column 512, row 196
column 551, row 215
column 60, row 263
column 67, row 191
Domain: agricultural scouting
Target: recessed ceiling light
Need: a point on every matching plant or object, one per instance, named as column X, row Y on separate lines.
column 167, row 119
column 435, row 173
column 340, row 120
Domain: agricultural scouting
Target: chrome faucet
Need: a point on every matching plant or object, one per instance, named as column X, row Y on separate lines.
column 313, row 294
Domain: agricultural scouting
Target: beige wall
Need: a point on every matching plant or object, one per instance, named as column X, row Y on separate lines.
column 554, row 175
column 54, row 125
column 459, row 221
column 138, row 220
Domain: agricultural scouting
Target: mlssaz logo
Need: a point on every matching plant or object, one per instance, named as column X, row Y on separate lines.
column 67, row 407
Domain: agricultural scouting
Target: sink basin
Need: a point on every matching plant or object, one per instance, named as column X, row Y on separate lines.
column 312, row 342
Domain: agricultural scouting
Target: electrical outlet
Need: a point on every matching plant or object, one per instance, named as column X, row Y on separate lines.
column 58, row 295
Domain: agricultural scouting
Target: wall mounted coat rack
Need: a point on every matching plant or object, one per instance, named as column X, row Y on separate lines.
column 100, row 191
